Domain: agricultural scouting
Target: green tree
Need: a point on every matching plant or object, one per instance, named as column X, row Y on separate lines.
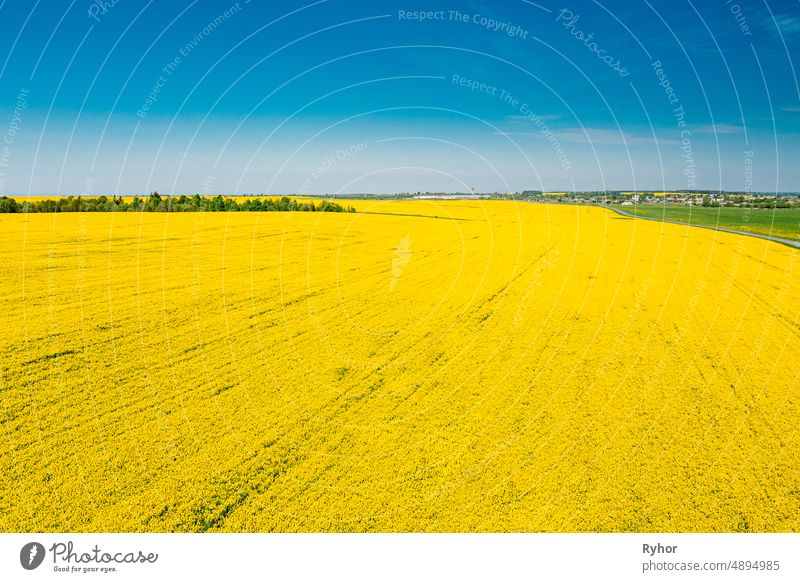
column 8, row 205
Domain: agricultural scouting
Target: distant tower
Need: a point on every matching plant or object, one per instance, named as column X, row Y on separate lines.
column 472, row 190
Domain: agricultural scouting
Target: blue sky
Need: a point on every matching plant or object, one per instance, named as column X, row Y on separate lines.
column 337, row 97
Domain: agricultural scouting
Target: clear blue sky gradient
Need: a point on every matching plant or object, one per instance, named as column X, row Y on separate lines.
column 343, row 97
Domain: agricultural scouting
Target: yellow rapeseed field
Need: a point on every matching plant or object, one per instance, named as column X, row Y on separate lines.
column 417, row 366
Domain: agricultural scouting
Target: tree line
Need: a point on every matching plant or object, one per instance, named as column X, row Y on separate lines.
column 157, row 203
column 766, row 203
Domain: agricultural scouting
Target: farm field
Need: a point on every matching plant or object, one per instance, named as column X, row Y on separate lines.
column 779, row 222
column 417, row 366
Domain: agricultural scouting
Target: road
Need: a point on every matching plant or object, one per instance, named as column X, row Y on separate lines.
column 785, row 241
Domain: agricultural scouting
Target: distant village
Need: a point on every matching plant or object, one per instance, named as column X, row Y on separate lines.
column 706, row 198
